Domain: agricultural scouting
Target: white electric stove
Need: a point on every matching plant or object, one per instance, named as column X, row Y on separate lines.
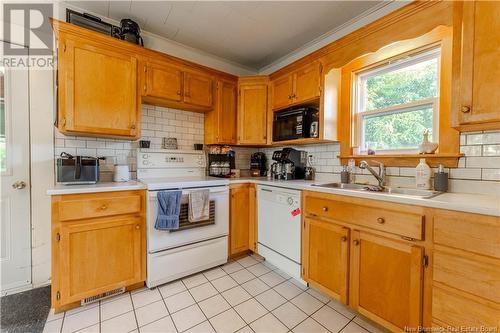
column 194, row 246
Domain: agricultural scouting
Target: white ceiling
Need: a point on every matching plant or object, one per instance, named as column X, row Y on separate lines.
column 253, row 34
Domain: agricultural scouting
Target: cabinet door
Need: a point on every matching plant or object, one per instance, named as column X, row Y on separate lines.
column 386, row 280
column 282, row 91
column 163, row 81
column 239, row 219
column 307, row 83
column 99, row 255
column 252, row 206
column 227, row 112
column 480, row 77
column 198, row 89
column 325, row 257
column 98, row 90
column 252, row 114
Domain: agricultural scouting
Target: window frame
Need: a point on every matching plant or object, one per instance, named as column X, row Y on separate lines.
column 448, row 152
column 386, row 66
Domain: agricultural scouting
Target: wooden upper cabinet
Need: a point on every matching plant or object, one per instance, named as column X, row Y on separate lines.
column 325, row 257
column 297, row 87
column 98, row 256
column 167, row 84
column 386, row 280
column 97, row 89
column 307, row 83
column 252, row 111
column 163, row 81
column 198, row 89
column 480, row 66
column 220, row 123
column 282, row 89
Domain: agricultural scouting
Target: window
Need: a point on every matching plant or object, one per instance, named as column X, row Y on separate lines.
column 395, row 102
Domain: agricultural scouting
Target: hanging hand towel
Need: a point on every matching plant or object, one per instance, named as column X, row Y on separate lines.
column 199, row 205
column 169, row 208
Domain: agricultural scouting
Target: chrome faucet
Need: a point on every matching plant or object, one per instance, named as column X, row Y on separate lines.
column 380, row 176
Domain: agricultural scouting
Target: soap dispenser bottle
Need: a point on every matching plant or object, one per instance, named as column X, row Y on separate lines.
column 441, row 180
column 423, row 175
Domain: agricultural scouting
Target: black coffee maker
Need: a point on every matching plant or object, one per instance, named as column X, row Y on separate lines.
column 258, row 164
column 290, row 164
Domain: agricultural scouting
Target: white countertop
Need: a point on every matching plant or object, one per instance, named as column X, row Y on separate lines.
column 464, row 202
column 95, row 188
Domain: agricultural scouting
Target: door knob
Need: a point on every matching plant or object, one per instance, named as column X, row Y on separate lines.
column 19, row 185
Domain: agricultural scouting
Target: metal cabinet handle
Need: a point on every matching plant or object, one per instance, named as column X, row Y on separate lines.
column 19, row 185
column 381, row 220
column 356, row 242
column 465, row 109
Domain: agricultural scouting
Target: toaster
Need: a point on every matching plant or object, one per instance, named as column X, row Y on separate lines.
column 73, row 170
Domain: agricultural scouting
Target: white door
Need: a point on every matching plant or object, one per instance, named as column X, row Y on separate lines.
column 15, row 246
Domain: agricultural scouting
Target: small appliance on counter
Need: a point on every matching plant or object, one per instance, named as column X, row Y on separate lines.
column 293, row 124
column 290, row 164
column 77, row 170
column 258, row 164
column 121, row 173
column 221, row 160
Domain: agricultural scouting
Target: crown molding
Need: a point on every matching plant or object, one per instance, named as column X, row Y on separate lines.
column 331, row 36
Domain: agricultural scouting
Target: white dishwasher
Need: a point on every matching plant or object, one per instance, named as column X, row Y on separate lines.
column 279, row 228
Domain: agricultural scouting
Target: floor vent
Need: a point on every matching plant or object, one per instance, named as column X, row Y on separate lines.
column 108, row 294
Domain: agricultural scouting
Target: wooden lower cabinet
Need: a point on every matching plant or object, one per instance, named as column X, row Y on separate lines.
column 466, row 270
column 386, row 280
column 96, row 254
column 242, row 233
column 325, row 257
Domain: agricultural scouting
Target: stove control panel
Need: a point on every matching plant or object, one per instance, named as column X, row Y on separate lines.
column 160, row 158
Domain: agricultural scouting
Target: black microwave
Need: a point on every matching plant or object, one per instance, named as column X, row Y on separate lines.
column 297, row 123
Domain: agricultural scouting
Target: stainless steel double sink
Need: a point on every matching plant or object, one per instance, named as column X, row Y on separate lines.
column 396, row 191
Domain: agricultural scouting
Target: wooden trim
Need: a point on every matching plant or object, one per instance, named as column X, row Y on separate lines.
column 448, row 151
column 410, row 160
column 418, row 17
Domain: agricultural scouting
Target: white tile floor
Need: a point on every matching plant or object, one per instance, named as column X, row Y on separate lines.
column 245, row 295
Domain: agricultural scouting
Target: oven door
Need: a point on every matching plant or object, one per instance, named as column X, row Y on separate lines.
column 188, row 233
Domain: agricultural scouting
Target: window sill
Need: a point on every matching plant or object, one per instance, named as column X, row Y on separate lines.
column 407, row 160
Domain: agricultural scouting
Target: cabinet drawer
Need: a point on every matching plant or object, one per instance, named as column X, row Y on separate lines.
column 405, row 224
column 470, row 232
column 460, row 309
column 475, row 274
column 84, row 206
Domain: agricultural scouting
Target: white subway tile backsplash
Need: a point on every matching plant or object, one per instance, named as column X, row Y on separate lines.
column 157, row 123
column 483, row 138
column 491, row 174
column 471, row 150
column 491, row 150
column 483, row 162
column 465, row 173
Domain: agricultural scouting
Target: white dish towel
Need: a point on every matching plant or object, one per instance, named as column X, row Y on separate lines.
column 199, row 205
